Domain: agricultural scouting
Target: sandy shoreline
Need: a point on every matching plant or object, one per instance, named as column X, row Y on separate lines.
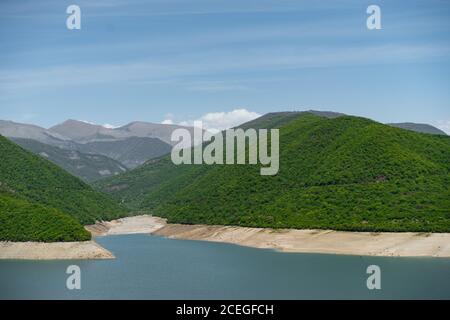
column 53, row 251
column 406, row 244
column 129, row 225
column 386, row 244
column 318, row 241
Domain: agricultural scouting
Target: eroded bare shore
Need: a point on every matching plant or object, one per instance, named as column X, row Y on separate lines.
column 319, row 241
column 406, row 244
column 53, row 251
column 129, row 225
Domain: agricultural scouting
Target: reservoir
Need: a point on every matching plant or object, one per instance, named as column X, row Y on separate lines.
column 152, row 267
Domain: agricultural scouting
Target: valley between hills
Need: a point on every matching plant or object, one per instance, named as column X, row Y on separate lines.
column 346, row 185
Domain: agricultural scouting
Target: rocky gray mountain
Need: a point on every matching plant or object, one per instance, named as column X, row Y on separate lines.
column 131, row 152
column 154, row 130
column 88, row 167
column 83, row 132
column 12, row 129
column 91, row 151
column 131, row 145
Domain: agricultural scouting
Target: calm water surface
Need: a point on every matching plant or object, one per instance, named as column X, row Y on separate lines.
column 150, row 267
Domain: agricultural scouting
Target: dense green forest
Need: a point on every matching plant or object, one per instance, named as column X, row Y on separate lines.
column 343, row 173
column 21, row 220
column 61, row 203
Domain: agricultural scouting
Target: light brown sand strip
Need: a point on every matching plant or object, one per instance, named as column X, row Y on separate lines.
column 53, row 251
column 406, row 244
column 129, row 225
column 318, row 241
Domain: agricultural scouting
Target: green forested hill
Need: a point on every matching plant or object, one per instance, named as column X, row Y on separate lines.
column 29, row 182
column 345, row 173
column 134, row 187
column 21, row 220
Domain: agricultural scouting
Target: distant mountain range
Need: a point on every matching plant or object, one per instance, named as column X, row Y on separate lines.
column 28, row 131
column 83, row 132
column 91, row 151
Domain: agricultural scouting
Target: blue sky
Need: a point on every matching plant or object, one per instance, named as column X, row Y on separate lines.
column 180, row 60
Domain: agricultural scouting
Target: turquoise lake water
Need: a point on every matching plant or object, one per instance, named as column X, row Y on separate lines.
column 150, row 267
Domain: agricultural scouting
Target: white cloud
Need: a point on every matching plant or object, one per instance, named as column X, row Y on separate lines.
column 88, row 122
column 218, row 121
column 167, row 121
column 109, row 126
column 444, row 125
column 106, row 125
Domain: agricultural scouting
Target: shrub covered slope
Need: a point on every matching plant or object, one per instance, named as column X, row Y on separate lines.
column 39, row 201
column 345, row 173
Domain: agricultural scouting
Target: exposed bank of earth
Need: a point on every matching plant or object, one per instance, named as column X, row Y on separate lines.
column 407, row 244
column 53, row 251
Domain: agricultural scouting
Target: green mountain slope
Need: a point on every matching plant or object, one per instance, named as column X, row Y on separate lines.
column 134, row 187
column 21, row 220
column 345, row 173
column 38, row 181
column 88, row 167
